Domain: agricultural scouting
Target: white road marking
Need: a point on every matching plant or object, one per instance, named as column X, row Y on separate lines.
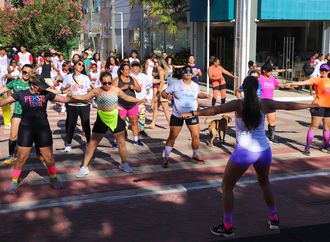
column 149, row 191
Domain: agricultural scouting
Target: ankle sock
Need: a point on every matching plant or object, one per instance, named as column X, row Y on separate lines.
column 196, row 152
column 136, row 138
column 52, row 172
column 214, row 100
column 228, row 220
column 15, row 175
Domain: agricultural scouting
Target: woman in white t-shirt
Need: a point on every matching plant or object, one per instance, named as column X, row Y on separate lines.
column 184, row 95
column 79, row 84
column 96, row 60
column 133, row 57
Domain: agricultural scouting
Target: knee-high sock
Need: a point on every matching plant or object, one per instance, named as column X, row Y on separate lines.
column 52, row 172
column 273, row 213
column 309, row 139
column 15, row 175
column 271, row 132
column 12, row 146
column 326, row 138
column 223, row 100
column 214, row 100
column 167, row 151
column 228, row 220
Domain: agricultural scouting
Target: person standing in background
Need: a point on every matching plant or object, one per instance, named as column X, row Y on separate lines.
column 197, row 73
column 24, row 57
column 6, row 112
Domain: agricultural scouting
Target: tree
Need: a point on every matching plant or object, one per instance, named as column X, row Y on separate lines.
column 168, row 12
column 40, row 25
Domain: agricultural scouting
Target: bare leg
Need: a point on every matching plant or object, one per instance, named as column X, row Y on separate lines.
column 120, row 137
column 95, row 140
column 166, row 111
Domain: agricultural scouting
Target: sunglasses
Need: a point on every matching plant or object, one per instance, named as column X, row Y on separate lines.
column 25, row 73
column 125, row 61
column 325, row 70
column 80, row 64
column 106, row 83
column 187, row 72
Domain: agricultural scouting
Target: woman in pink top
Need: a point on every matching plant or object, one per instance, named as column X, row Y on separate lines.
column 268, row 84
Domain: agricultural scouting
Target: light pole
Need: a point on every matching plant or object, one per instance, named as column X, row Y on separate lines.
column 121, row 33
column 208, row 46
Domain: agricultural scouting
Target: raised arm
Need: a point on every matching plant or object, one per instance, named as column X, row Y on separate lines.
column 228, row 107
column 268, row 104
column 6, row 101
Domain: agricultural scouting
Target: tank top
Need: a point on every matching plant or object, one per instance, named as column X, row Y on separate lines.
column 106, row 101
column 253, row 140
column 129, row 92
column 46, row 70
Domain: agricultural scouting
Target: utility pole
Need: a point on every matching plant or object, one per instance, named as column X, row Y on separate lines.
column 113, row 25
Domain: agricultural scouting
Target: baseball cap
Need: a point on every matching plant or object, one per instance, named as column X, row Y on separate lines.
column 325, row 67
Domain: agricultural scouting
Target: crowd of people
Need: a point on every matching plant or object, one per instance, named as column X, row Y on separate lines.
column 119, row 90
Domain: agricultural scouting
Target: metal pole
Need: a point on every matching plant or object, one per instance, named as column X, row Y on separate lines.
column 113, row 25
column 208, row 47
column 122, row 34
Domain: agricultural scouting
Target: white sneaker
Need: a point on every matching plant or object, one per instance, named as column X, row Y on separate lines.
column 82, row 172
column 68, row 149
column 125, row 167
column 63, row 109
column 7, row 127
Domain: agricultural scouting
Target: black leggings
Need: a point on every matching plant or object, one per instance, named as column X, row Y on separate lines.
column 72, row 117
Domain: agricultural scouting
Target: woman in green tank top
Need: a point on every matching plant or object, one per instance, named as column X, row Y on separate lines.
column 107, row 119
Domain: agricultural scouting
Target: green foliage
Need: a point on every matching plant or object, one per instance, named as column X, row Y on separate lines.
column 40, row 25
column 168, row 12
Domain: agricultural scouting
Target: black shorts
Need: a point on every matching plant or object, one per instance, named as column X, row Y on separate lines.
column 220, row 87
column 41, row 136
column 16, row 115
column 175, row 121
column 320, row 112
column 102, row 128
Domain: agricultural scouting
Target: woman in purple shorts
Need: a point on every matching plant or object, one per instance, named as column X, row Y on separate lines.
column 252, row 148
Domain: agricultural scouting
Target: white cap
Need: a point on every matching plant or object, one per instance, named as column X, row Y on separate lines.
column 14, row 49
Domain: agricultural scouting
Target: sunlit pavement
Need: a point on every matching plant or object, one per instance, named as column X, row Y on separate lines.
column 155, row 204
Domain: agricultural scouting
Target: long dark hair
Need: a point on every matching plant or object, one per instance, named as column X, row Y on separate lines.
column 121, row 68
column 251, row 114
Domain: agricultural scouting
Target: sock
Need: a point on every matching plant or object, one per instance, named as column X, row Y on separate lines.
column 309, row 139
column 52, row 172
column 167, row 152
column 136, row 138
column 326, row 138
column 37, row 149
column 223, row 100
column 271, row 130
column 196, row 152
column 273, row 213
column 228, row 220
column 214, row 100
column 15, row 175
column 12, row 146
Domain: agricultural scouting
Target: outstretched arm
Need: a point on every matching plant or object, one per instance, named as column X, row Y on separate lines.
column 231, row 106
column 62, row 99
column 203, row 95
column 293, row 84
column 127, row 98
column 7, row 100
column 269, row 104
column 3, row 90
column 85, row 97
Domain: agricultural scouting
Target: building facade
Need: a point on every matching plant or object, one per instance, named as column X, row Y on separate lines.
column 139, row 31
column 286, row 31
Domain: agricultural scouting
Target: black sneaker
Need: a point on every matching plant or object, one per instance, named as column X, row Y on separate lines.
column 306, row 152
column 326, row 150
column 273, row 224
column 220, row 230
column 274, row 141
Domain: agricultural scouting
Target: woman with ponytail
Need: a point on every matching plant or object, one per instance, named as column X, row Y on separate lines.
column 252, row 148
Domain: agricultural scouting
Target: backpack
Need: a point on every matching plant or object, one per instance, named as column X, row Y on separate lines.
column 308, row 70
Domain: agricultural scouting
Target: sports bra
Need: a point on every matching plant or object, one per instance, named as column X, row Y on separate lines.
column 106, row 101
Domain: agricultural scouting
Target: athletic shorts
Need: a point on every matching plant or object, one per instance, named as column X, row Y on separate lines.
column 15, row 115
column 220, row 87
column 102, row 128
column 245, row 158
column 41, row 136
column 175, row 121
column 155, row 86
column 123, row 112
column 320, row 112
